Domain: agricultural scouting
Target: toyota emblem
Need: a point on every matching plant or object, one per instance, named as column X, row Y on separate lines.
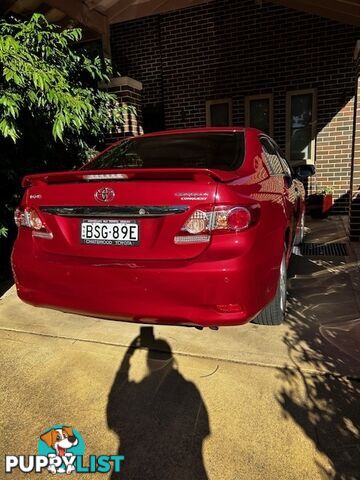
column 104, row 194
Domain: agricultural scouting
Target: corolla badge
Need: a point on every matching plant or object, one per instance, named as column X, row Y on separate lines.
column 104, row 194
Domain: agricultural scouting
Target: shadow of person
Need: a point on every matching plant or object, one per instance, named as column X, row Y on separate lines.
column 161, row 421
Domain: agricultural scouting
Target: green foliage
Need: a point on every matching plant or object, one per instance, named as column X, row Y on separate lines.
column 324, row 191
column 42, row 73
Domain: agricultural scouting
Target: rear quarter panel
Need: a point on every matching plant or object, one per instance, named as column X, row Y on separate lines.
column 264, row 243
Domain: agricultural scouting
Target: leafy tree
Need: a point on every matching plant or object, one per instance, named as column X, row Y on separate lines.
column 41, row 73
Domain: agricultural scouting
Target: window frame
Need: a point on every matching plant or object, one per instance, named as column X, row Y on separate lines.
column 261, row 96
column 288, row 171
column 268, row 160
column 208, row 105
column 289, row 95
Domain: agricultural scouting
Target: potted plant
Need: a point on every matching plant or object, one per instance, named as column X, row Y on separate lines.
column 319, row 204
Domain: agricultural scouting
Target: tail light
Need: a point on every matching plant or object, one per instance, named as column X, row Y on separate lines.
column 220, row 219
column 29, row 217
column 19, row 217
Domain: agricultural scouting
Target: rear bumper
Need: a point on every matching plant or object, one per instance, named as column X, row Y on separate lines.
column 168, row 292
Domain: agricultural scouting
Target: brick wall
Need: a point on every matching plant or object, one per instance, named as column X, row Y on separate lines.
column 128, row 92
column 136, row 53
column 333, row 156
column 231, row 48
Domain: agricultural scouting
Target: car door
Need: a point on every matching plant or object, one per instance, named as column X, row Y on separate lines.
column 278, row 167
column 296, row 191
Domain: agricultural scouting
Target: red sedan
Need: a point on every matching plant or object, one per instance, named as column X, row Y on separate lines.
column 191, row 227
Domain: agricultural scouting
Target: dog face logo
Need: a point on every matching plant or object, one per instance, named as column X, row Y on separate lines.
column 60, row 439
column 64, row 443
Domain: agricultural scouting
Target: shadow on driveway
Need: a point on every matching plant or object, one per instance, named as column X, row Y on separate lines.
column 161, row 421
column 325, row 333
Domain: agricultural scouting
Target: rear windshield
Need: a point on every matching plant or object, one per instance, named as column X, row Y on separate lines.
column 223, row 151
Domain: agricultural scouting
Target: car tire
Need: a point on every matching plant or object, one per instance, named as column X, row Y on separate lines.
column 299, row 237
column 274, row 312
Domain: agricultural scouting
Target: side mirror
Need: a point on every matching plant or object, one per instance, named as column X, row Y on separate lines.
column 302, row 172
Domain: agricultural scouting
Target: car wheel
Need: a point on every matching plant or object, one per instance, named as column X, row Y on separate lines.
column 274, row 313
column 299, row 237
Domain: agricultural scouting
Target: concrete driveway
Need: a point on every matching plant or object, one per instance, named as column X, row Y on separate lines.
column 251, row 402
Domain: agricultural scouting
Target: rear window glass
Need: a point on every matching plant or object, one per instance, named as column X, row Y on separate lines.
column 223, row 151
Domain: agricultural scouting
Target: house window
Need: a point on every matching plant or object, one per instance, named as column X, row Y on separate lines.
column 301, row 126
column 219, row 113
column 259, row 112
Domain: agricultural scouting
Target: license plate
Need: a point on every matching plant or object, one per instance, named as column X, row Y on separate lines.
column 109, row 232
